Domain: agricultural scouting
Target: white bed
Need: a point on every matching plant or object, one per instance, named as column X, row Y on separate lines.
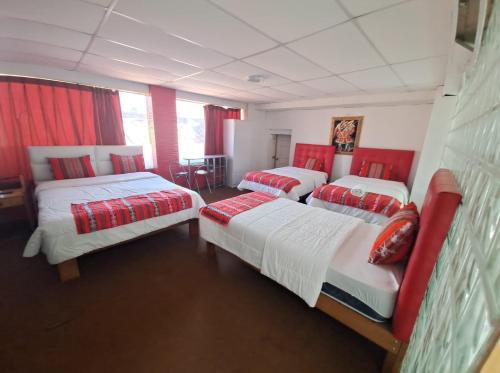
column 309, row 179
column 248, row 235
column 56, row 234
column 391, row 188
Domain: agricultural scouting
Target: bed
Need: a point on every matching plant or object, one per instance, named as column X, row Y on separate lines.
column 379, row 302
column 56, row 235
column 395, row 187
column 309, row 179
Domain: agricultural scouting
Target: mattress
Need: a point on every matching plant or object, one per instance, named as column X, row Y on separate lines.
column 309, row 180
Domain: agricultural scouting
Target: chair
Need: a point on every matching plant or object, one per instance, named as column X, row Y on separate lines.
column 178, row 171
column 202, row 170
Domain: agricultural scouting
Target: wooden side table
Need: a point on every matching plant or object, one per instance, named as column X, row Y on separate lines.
column 16, row 197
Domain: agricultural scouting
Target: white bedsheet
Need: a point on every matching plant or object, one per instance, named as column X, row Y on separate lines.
column 391, row 188
column 56, row 234
column 290, row 242
column 309, row 179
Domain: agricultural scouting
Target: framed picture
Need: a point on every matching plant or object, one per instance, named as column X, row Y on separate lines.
column 345, row 133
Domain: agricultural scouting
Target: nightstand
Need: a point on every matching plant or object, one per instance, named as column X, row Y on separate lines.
column 16, row 196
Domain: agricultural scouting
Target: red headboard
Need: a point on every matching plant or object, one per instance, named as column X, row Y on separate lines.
column 440, row 204
column 322, row 152
column 401, row 161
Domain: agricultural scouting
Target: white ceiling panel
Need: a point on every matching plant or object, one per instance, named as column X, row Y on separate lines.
column 38, row 49
column 42, row 33
column 359, row 7
column 299, row 90
column 200, row 22
column 286, row 20
column 373, row 79
column 224, row 80
column 201, row 86
column 104, row 3
column 152, row 39
column 341, row 49
column 275, row 94
column 333, row 85
column 249, row 97
column 283, row 62
column 242, row 70
column 34, row 59
column 412, row 30
column 112, row 50
column 428, row 72
column 72, row 14
column 120, row 74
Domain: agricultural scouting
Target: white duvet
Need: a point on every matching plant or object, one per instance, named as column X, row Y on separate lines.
column 56, row 234
column 391, row 188
column 290, row 242
column 309, row 179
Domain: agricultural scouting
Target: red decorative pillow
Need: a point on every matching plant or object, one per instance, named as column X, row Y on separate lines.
column 376, row 170
column 397, row 237
column 313, row 164
column 71, row 168
column 124, row 164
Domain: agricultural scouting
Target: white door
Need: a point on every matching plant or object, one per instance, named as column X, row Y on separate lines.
column 282, row 150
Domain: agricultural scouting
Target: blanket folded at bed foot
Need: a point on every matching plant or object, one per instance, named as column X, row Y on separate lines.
column 222, row 211
column 373, row 202
column 283, row 183
column 98, row 215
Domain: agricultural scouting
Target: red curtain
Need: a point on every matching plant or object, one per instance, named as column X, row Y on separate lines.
column 108, row 120
column 165, row 125
column 214, row 127
column 42, row 112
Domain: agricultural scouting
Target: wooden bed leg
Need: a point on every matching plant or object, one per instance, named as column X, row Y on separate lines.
column 393, row 360
column 210, row 249
column 193, row 228
column 68, row 270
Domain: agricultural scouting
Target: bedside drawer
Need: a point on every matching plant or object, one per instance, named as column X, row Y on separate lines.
column 11, row 202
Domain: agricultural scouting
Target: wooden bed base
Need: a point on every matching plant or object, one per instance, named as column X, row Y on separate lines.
column 378, row 333
column 68, row 270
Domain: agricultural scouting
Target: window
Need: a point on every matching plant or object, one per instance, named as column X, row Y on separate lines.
column 190, row 129
column 138, row 123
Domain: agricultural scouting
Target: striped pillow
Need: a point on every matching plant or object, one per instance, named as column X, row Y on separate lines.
column 396, row 239
column 375, row 170
column 124, row 164
column 71, row 168
column 313, row 164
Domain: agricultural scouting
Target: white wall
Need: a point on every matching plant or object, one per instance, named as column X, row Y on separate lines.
column 393, row 127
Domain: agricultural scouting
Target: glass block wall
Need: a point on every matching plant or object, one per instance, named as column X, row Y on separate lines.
column 460, row 316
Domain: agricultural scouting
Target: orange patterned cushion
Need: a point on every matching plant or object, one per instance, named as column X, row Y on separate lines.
column 397, row 237
column 124, row 164
column 313, row 164
column 375, row 170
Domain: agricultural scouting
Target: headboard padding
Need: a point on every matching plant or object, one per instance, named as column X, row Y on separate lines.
column 325, row 153
column 99, row 157
column 440, row 204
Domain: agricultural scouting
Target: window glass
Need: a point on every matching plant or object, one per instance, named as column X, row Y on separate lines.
column 190, row 129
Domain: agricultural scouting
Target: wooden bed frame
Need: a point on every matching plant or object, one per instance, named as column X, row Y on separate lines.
column 441, row 202
column 69, row 270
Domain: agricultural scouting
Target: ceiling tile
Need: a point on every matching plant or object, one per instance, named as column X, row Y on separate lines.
column 42, row 33
column 200, row 22
column 275, row 94
column 119, row 74
column 359, row 7
column 72, row 14
column 20, row 57
column 378, row 78
column 332, row 85
column 38, row 49
column 341, row 49
column 411, row 30
column 429, row 72
column 152, row 39
column 250, row 97
column 299, row 90
column 112, row 50
column 286, row 20
column 283, row 62
column 104, row 3
column 224, row 80
column 242, row 70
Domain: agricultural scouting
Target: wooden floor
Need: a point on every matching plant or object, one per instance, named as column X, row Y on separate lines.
column 162, row 305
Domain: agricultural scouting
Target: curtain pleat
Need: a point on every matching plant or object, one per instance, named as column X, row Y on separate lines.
column 108, row 117
column 214, row 127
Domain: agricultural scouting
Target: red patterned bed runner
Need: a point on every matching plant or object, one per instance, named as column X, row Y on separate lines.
column 283, row 183
column 94, row 216
column 373, row 202
column 222, row 211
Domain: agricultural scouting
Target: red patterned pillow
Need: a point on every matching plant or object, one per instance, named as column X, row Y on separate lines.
column 124, row 164
column 313, row 164
column 71, row 168
column 397, row 237
column 376, row 170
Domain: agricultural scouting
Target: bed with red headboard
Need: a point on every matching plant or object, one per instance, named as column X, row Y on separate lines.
column 308, row 179
column 399, row 162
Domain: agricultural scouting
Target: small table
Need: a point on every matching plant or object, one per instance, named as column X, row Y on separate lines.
column 16, row 197
column 214, row 163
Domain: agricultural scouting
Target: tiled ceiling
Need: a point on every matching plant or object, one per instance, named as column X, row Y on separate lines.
column 300, row 49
